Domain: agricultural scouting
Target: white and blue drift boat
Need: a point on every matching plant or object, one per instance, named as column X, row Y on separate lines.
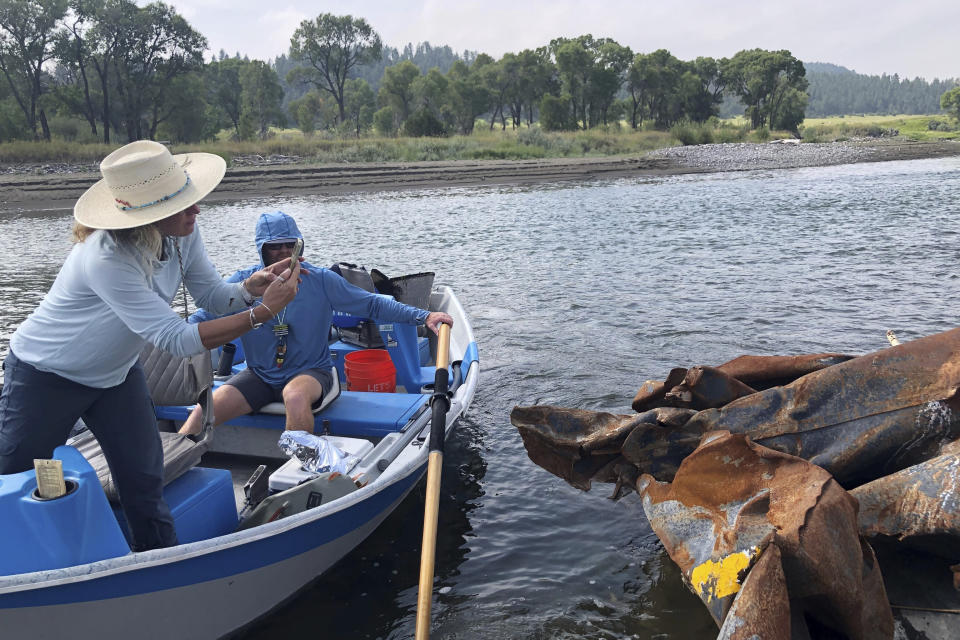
column 250, row 537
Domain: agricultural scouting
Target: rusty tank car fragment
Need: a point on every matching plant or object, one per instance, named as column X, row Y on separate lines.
column 763, row 372
column 747, row 489
column 861, row 419
column 732, row 500
column 761, row 608
column 920, row 504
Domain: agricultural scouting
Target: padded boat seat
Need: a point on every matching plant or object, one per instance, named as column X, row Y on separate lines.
column 172, row 380
column 278, row 409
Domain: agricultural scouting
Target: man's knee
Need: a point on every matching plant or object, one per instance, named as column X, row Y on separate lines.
column 296, row 399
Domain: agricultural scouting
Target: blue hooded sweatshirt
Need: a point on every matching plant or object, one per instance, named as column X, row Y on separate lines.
column 309, row 314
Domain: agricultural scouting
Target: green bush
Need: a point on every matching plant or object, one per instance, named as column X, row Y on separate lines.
column 689, row 133
column 762, row 134
column 555, row 113
column 385, row 122
column 71, row 129
column 423, row 123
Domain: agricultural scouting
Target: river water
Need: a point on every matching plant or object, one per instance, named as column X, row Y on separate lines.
column 578, row 293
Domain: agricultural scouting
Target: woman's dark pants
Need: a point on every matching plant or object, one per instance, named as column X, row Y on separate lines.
column 37, row 411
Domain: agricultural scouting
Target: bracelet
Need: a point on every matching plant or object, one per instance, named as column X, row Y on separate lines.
column 245, row 294
column 253, row 320
column 272, row 314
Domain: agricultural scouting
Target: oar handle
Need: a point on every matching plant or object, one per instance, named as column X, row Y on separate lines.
column 443, row 347
column 438, row 427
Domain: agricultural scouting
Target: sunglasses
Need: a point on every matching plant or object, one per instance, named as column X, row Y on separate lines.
column 283, row 245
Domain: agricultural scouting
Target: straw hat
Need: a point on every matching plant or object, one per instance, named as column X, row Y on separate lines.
column 142, row 183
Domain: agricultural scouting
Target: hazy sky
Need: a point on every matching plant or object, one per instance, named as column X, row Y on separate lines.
column 912, row 38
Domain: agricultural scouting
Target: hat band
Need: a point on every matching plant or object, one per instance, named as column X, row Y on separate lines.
column 123, row 205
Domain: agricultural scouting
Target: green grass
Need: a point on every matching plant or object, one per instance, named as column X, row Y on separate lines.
column 321, row 148
column 511, row 144
column 910, row 127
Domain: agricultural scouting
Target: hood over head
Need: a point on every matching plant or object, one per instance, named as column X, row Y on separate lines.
column 273, row 227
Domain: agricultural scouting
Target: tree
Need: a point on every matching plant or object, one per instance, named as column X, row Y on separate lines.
column 431, row 94
column 262, row 96
column 950, row 102
column 555, row 113
column 537, row 77
column 153, row 46
column 331, row 46
column 28, row 36
column 224, row 91
column 591, row 72
column 396, row 88
column 110, row 23
column 791, row 112
column 360, row 104
column 73, row 51
column 763, row 79
column 469, row 95
column 306, row 111
column 185, row 114
column 385, row 121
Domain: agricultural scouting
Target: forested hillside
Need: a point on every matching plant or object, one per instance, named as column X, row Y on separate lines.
column 835, row 90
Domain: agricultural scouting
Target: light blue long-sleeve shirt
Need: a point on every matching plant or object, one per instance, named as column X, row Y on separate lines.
column 308, row 316
column 103, row 308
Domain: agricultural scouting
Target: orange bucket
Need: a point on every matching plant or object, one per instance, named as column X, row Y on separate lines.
column 370, row 370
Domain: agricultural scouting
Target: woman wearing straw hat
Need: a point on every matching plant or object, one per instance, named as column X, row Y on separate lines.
column 76, row 355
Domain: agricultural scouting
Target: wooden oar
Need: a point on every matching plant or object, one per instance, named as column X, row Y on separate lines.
column 438, row 426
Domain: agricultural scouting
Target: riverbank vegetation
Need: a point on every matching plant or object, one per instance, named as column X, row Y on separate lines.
column 910, row 127
column 523, row 143
column 115, row 71
column 81, row 77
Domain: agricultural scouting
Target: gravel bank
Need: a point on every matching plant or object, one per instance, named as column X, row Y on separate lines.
column 791, row 154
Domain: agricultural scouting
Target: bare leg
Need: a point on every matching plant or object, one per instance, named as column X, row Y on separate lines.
column 228, row 403
column 298, row 398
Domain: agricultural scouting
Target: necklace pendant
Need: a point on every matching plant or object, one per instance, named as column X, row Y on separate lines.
column 281, row 329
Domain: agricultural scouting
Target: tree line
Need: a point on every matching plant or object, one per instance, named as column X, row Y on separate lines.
column 131, row 72
column 836, row 90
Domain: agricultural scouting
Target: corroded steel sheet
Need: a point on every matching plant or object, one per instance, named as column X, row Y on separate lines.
column 706, row 388
column 860, row 419
column 652, row 392
column 578, row 445
column 574, row 444
column 920, row 503
column 731, row 498
column 762, row 372
column 761, row 609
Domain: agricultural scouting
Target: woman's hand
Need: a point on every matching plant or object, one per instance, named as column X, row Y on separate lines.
column 257, row 283
column 282, row 289
column 436, row 318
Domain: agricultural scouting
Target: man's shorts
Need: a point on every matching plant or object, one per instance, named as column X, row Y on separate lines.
column 258, row 393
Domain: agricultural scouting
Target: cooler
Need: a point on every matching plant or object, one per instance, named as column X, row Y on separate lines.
column 291, row 473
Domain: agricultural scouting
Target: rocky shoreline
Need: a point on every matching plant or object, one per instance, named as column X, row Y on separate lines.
column 56, row 186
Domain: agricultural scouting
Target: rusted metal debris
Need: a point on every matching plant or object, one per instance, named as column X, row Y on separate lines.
column 800, row 430
column 732, row 500
column 860, row 419
column 920, row 504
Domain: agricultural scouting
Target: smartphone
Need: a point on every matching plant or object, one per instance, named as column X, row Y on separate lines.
column 297, row 250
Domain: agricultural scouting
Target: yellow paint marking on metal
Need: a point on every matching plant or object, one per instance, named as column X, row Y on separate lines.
column 720, row 579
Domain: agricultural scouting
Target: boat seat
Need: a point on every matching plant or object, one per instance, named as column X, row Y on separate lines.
column 171, row 380
column 278, row 409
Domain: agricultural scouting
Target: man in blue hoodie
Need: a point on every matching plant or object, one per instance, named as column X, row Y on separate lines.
column 288, row 357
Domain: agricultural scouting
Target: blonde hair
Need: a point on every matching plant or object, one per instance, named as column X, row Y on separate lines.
column 145, row 241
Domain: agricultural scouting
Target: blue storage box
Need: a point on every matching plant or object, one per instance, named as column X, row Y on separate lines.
column 202, row 504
